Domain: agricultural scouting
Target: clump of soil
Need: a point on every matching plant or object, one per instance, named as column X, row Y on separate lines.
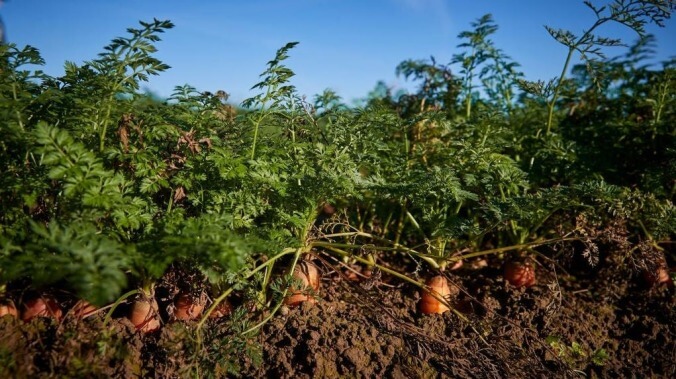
column 605, row 323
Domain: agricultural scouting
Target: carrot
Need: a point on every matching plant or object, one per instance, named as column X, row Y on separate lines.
column 41, row 307
column 428, row 302
column 83, row 308
column 658, row 276
column 308, row 275
column 7, row 307
column 144, row 313
column 356, row 273
column 188, row 307
column 457, row 265
column 223, row 309
column 520, row 274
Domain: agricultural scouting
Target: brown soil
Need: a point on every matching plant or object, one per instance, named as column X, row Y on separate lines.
column 606, row 323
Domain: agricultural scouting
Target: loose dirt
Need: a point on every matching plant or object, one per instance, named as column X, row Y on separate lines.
column 605, row 323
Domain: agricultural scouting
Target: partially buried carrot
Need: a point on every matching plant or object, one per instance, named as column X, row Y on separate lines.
column 144, row 314
column 307, row 274
column 223, row 309
column 83, row 308
column 41, row 307
column 429, row 304
column 520, row 274
column 658, row 276
column 188, row 307
column 7, row 307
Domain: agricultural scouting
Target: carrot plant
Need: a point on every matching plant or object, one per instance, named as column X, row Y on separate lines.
column 228, row 214
column 634, row 14
column 479, row 45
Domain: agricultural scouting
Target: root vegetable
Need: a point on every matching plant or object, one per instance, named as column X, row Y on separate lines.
column 7, row 307
column 188, row 307
column 83, row 308
column 144, row 314
column 356, row 273
column 457, row 265
column 478, row 264
column 428, row 302
column 351, row 275
column 223, row 309
column 41, row 307
column 657, row 277
column 308, row 274
column 520, row 274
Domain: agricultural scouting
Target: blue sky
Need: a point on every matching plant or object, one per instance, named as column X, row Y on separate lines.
column 345, row 45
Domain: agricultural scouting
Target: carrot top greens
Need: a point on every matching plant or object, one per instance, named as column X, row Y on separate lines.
column 106, row 189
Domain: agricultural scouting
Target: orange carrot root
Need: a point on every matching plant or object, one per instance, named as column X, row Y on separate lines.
column 41, row 307
column 187, row 307
column 520, row 274
column 307, row 273
column 7, row 307
column 658, row 277
column 145, row 315
column 428, row 303
column 83, row 308
column 222, row 310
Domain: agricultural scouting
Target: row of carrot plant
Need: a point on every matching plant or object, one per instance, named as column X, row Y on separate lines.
column 107, row 191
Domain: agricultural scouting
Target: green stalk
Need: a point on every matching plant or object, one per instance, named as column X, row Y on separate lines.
column 253, row 146
column 555, row 96
column 571, row 50
column 268, row 317
column 400, row 276
column 367, row 235
column 266, row 280
column 296, row 256
column 259, row 121
column 121, row 69
column 386, row 224
column 16, row 98
column 117, row 302
column 413, row 221
column 433, row 259
column 430, row 260
column 458, row 207
column 171, row 201
column 227, row 292
column 104, row 127
column 663, row 92
column 400, row 224
column 512, row 247
column 468, row 83
column 362, row 219
column 441, row 250
column 148, row 288
column 468, row 100
column 485, row 137
column 360, row 247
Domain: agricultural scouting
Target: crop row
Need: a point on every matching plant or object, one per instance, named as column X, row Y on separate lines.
column 108, row 191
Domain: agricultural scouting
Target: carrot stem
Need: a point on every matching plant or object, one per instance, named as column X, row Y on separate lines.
column 116, row 303
column 402, row 277
column 296, row 256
